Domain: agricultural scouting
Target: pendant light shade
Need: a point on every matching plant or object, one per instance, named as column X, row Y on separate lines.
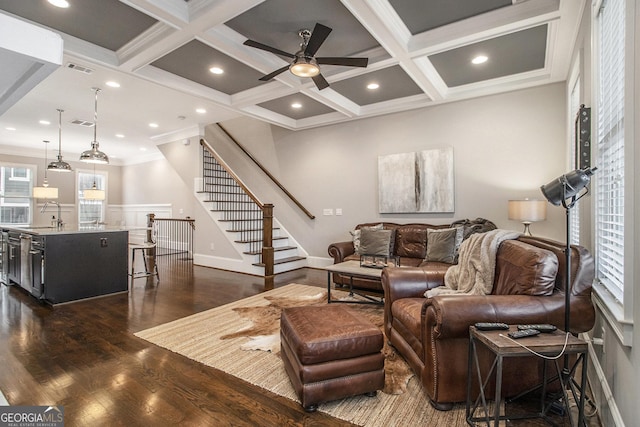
column 94, row 155
column 45, row 192
column 59, row 165
column 93, row 193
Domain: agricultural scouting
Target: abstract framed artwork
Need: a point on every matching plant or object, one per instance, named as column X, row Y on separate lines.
column 418, row 182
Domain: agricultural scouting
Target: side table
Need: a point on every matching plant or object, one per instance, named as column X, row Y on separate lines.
column 547, row 345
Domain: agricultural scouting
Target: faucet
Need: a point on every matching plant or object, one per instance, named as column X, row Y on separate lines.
column 59, row 222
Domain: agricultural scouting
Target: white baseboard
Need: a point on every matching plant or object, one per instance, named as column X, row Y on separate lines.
column 607, row 400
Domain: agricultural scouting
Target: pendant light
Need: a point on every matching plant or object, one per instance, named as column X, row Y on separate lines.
column 45, row 192
column 60, row 165
column 95, row 155
column 93, row 193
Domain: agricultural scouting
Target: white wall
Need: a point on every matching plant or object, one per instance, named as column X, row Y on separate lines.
column 505, row 147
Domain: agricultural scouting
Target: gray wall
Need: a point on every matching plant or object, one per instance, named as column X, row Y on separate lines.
column 505, row 147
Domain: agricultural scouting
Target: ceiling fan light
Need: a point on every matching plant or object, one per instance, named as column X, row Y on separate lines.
column 94, row 155
column 304, row 67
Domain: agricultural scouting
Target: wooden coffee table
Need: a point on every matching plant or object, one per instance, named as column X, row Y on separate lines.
column 353, row 269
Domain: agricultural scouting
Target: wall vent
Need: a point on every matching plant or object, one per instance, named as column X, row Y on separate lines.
column 80, row 68
column 84, row 123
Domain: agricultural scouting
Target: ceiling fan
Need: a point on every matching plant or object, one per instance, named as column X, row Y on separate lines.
column 304, row 63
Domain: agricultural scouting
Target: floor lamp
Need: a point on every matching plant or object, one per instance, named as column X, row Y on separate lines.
column 566, row 191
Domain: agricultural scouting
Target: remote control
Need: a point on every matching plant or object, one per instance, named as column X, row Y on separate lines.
column 544, row 327
column 491, row 326
column 524, row 333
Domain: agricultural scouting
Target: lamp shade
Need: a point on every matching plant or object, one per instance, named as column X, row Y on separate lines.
column 567, row 186
column 527, row 210
column 45, row 193
column 93, row 194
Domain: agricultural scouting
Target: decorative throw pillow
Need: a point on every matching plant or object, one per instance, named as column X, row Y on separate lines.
column 355, row 234
column 443, row 245
column 376, row 242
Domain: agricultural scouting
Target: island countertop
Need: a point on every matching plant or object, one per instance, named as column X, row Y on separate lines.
column 69, row 229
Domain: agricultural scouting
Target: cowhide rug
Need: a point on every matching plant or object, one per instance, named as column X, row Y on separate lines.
column 264, row 334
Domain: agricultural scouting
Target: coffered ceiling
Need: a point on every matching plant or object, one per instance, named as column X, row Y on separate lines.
column 161, row 51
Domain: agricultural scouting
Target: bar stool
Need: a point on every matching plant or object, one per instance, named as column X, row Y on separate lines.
column 145, row 248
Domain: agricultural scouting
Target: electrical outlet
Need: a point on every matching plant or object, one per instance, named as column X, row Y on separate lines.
column 103, row 242
column 327, row 212
column 212, row 246
column 338, row 211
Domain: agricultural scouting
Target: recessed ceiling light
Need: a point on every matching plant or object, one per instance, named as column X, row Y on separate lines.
column 296, row 105
column 44, row 122
column 480, row 59
column 111, row 83
column 372, row 86
column 153, row 125
column 59, row 3
column 10, row 128
column 119, row 135
column 216, row 70
column 200, row 110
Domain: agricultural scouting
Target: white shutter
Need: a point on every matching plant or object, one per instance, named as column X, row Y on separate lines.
column 610, row 149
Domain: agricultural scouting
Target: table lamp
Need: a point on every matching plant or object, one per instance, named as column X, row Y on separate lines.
column 527, row 211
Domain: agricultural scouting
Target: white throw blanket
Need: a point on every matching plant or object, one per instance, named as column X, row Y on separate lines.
column 474, row 273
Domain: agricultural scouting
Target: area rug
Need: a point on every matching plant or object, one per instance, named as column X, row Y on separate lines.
column 242, row 339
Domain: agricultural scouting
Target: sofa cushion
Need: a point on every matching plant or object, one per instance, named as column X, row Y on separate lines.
column 523, row 269
column 376, row 242
column 442, row 245
column 355, row 234
column 411, row 241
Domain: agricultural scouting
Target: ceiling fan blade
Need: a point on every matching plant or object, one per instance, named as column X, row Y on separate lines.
column 259, row 45
column 318, row 36
column 349, row 62
column 320, row 82
column 273, row 74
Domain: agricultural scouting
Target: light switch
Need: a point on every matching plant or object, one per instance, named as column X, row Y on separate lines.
column 327, row 212
column 338, row 211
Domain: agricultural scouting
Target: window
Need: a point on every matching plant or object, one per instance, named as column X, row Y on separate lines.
column 574, row 107
column 612, row 191
column 91, row 211
column 15, row 194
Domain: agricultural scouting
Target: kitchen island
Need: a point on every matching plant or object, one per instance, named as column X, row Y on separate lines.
column 68, row 263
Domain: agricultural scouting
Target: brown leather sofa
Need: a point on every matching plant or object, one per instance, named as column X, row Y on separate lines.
column 432, row 334
column 409, row 245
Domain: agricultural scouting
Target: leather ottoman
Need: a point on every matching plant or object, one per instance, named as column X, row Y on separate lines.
column 330, row 353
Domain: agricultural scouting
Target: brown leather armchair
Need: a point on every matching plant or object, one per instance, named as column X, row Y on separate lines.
column 433, row 333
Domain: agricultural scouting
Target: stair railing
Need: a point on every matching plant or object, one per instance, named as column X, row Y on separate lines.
column 263, row 169
column 263, row 213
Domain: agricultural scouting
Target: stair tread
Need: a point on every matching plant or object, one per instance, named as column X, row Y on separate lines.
column 282, row 261
column 278, row 249
column 259, row 240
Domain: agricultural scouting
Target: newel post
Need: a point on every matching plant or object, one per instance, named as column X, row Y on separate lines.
column 267, row 245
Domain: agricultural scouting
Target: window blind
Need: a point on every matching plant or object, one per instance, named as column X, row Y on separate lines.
column 610, row 148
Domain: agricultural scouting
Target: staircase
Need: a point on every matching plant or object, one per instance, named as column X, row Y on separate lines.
column 236, row 210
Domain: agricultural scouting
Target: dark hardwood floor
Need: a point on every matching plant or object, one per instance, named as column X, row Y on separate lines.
column 85, row 357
